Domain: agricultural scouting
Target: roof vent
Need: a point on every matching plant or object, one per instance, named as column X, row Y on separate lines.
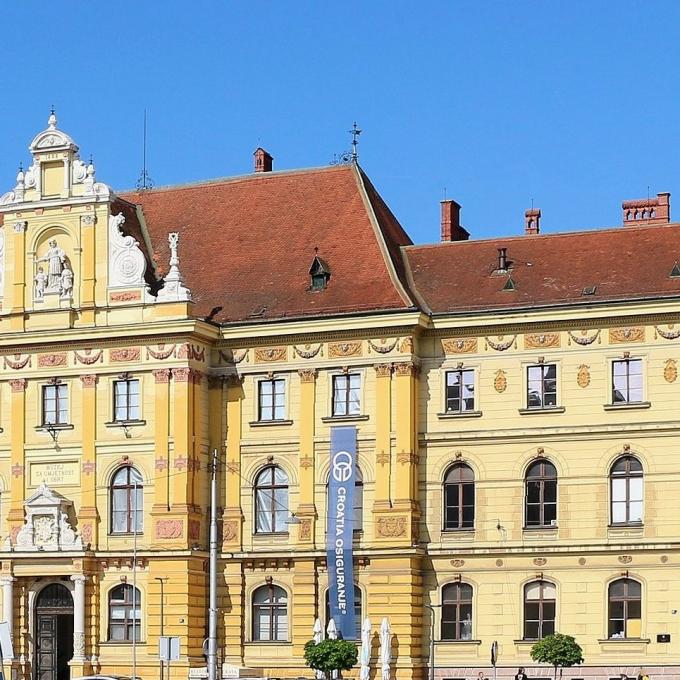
column 675, row 272
column 509, row 284
column 532, row 222
column 320, row 274
column 502, row 260
column 451, row 229
column 647, row 211
column 263, row 160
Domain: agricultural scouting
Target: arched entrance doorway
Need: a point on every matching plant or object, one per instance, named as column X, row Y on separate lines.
column 53, row 632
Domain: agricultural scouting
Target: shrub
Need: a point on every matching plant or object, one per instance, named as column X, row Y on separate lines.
column 331, row 655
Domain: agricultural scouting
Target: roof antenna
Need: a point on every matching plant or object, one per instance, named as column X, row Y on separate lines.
column 144, row 181
column 355, row 132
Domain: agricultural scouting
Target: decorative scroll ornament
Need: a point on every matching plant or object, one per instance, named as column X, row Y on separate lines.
column 459, row 345
column 540, row 561
column 502, row 344
column 17, row 363
column 52, row 360
column 670, row 334
column 268, row 354
column 582, row 338
column 457, row 563
column 406, row 345
column 391, row 527
column 500, row 382
column 670, row 371
column 625, row 559
column 631, row 334
column 541, row 340
column 383, row 347
column 344, row 349
column 307, row 352
column 163, row 351
column 89, row 357
column 189, row 351
column 174, row 289
column 583, row 376
column 127, row 264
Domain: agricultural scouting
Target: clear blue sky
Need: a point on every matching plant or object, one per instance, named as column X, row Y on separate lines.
column 574, row 104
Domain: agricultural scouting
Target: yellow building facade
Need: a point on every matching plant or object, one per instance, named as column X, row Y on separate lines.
column 516, row 459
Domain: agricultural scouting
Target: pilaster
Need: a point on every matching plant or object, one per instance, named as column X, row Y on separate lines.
column 17, row 461
column 383, row 436
column 88, row 516
column 305, row 590
column 232, row 606
column 161, row 434
column 306, row 510
column 18, row 277
column 232, row 520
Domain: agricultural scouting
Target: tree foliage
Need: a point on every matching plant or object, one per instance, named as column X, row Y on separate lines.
column 331, row 655
column 560, row 651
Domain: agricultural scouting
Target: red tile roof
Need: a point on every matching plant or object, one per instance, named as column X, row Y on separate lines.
column 623, row 263
column 247, row 243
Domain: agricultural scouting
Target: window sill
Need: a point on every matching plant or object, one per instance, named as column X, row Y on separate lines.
column 527, row 641
column 56, row 428
column 269, row 423
column 342, row 419
column 252, row 643
column 262, row 535
column 465, row 531
column 624, row 641
column 543, row 527
column 125, row 534
column 546, row 409
column 458, row 642
column 120, row 643
column 126, row 423
column 539, row 533
column 628, row 405
column 459, row 414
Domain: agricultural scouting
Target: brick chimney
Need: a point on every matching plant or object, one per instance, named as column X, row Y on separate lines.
column 647, row 211
column 532, row 221
column 263, row 161
column 451, row 229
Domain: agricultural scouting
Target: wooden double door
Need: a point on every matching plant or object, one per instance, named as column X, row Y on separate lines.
column 53, row 633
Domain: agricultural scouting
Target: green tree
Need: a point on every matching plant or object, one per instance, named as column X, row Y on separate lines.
column 331, row 655
column 560, row 651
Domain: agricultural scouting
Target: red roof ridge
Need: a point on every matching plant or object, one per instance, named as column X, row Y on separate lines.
column 231, row 179
column 536, row 237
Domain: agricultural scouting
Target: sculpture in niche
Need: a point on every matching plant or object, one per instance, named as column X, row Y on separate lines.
column 59, row 276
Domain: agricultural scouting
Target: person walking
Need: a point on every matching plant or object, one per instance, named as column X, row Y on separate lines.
column 521, row 675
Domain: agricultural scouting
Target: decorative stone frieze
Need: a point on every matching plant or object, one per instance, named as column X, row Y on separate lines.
column 670, row 371
column 125, row 354
column 337, row 350
column 169, row 528
column 391, row 527
column 501, row 343
column 500, row 382
column 382, row 346
column 630, row 334
column 161, row 353
column 583, row 337
column 52, row 360
column 269, row 354
column 459, row 345
column 583, row 376
column 671, row 334
column 88, row 357
column 541, row 340
column 306, row 352
column 17, row 362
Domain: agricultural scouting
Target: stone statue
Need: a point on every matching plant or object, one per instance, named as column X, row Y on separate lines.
column 55, row 258
column 40, row 283
column 66, row 281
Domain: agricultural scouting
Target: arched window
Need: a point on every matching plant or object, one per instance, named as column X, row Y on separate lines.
column 456, row 612
column 626, row 490
column 271, row 501
column 357, row 610
column 625, row 609
column 127, row 502
column 539, row 609
column 358, row 509
column 459, row 497
column 270, row 613
column 125, row 613
column 541, row 495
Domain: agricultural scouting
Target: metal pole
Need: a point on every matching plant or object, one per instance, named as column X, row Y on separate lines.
column 161, row 580
column 431, row 608
column 212, row 604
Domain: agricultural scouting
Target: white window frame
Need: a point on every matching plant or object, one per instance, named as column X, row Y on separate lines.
column 41, row 401
column 112, row 392
column 475, row 386
column 610, row 379
column 286, row 396
column 361, row 372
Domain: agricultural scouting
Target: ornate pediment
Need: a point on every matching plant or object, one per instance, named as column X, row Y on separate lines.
column 47, row 525
column 52, row 139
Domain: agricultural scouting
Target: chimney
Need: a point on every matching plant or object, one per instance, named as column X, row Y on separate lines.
column 451, row 229
column 502, row 260
column 532, row 222
column 647, row 211
column 263, row 161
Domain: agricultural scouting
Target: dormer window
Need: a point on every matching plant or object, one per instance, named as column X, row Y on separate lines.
column 319, row 273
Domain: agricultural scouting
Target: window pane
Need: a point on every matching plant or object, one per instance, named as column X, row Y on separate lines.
column 619, row 489
column 635, row 488
column 532, row 591
column 618, row 511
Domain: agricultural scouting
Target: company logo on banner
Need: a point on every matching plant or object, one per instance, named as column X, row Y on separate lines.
column 340, row 529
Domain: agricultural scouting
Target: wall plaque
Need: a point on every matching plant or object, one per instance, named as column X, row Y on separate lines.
column 66, row 473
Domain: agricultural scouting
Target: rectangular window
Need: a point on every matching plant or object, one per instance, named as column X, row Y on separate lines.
column 542, row 386
column 126, row 400
column 346, row 401
column 271, row 399
column 460, row 391
column 626, row 381
column 55, row 404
